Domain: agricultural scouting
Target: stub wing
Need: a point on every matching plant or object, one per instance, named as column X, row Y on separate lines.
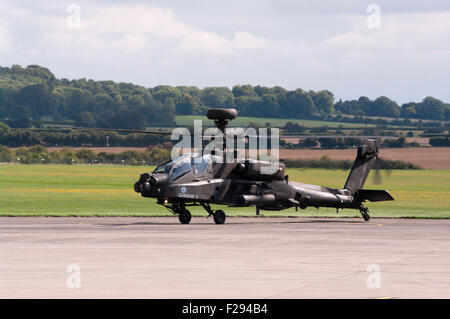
column 374, row 195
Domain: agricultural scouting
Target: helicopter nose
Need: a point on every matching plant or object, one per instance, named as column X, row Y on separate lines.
column 146, row 187
column 143, row 184
column 142, row 187
column 159, row 179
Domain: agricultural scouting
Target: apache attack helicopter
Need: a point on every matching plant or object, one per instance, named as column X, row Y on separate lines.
column 197, row 179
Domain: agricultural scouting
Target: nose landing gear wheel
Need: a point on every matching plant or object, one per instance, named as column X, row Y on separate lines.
column 219, row 217
column 184, row 216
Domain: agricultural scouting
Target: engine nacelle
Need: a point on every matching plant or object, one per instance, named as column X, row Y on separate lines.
column 265, row 199
column 262, row 170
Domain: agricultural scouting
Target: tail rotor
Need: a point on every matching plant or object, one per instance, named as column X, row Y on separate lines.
column 377, row 177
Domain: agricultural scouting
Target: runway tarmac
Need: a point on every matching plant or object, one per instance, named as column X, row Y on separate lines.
column 125, row 257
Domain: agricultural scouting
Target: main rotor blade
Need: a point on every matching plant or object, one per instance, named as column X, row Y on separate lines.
column 339, row 136
column 209, row 136
column 362, row 137
column 111, row 130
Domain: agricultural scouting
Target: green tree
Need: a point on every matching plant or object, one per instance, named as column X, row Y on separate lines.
column 136, row 101
column 168, row 112
column 246, row 105
column 217, row 97
column 87, row 118
column 365, row 104
column 187, row 105
column 431, row 108
column 323, row 101
column 408, row 110
column 244, row 90
column 261, row 90
column 384, row 106
column 6, row 155
column 78, row 102
column 38, row 98
column 300, row 104
column 101, row 103
column 4, row 129
column 19, row 112
column 162, row 93
column 132, row 119
column 269, row 106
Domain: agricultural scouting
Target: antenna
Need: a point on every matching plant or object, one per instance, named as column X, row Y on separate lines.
column 221, row 116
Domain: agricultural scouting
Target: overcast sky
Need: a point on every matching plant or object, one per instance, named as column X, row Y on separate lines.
column 400, row 49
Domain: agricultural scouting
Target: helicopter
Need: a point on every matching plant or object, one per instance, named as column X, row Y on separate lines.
column 196, row 179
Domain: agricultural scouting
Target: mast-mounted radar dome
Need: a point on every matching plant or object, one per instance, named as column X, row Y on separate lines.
column 221, row 116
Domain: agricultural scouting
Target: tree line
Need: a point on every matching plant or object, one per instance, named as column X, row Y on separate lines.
column 93, row 138
column 343, row 143
column 28, row 137
column 32, row 94
column 152, row 156
column 40, row 155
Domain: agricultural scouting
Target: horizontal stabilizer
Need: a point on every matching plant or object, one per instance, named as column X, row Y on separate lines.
column 374, row 195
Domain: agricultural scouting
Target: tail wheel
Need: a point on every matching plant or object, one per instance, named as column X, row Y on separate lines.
column 366, row 217
column 184, row 216
column 219, row 217
column 365, row 213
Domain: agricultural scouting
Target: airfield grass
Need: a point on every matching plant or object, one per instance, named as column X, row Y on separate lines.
column 82, row 190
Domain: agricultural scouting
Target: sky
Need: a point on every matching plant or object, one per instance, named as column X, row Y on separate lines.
column 399, row 49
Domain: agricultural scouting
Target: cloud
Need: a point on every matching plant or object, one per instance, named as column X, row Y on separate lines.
column 131, row 28
column 349, row 40
column 293, row 44
column 398, row 32
column 212, row 43
column 5, row 37
column 246, row 40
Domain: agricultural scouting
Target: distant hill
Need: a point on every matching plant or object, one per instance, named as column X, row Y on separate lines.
column 31, row 95
column 17, row 77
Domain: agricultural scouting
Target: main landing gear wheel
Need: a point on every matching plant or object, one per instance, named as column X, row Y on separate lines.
column 365, row 213
column 184, row 216
column 219, row 217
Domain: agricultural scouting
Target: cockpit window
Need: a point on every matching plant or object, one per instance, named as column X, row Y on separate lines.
column 181, row 168
column 165, row 168
column 184, row 164
column 201, row 163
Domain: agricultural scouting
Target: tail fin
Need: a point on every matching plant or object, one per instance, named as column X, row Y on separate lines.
column 364, row 161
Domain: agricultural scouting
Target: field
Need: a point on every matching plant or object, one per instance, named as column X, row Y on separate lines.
column 426, row 157
column 64, row 190
column 243, row 121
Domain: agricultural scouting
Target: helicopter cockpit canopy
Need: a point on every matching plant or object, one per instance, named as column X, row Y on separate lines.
column 182, row 165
